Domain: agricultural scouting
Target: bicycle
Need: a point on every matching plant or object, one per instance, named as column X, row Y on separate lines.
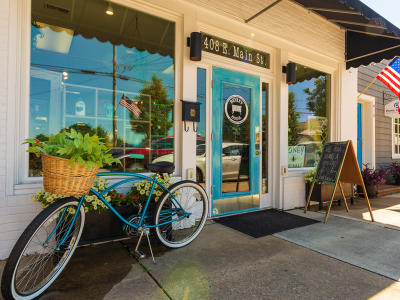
column 48, row 243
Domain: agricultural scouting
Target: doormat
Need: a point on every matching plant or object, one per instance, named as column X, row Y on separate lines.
column 265, row 222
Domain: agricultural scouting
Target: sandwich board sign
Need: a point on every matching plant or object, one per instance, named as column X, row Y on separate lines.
column 392, row 109
column 338, row 164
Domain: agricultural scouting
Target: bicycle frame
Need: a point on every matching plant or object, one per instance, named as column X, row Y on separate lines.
column 135, row 177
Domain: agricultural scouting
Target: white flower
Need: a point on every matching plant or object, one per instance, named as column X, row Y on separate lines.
column 141, row 192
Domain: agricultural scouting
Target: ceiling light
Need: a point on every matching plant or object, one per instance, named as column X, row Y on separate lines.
column 109, row 10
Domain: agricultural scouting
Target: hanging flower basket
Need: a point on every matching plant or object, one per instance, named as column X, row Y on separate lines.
column 60, row 177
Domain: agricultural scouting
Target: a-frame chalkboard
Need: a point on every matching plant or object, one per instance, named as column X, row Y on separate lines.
column 338, row 164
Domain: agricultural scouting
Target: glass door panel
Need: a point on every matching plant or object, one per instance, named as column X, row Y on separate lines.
column 235, row 142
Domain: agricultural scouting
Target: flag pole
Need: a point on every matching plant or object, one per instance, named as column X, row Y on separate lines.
column 373, row 80
column 366, row 88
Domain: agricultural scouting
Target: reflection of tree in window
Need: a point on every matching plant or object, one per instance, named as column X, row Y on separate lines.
column 316, row 100
column 156, row 107
column 294, row 130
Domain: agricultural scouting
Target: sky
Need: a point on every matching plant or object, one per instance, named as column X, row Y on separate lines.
column 389, row 9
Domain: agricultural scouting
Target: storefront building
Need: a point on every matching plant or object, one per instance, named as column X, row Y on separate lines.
column 72, row 64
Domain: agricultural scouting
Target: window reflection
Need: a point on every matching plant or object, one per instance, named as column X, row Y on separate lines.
column 201, row 128
column 309, row 100
column 107, row 75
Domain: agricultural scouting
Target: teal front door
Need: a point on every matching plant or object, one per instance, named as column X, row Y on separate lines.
column 235, row 142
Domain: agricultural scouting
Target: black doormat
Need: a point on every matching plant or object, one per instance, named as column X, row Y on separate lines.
column 265, row 222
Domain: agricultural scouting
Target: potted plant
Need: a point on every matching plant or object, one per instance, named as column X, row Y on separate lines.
column 394, row 172
column 316, row 195
column 372, row 178
column 70, row 161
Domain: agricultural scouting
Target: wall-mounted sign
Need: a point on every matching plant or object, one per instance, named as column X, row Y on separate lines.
column 236, row 109
column 392, row 109
column 235, row 51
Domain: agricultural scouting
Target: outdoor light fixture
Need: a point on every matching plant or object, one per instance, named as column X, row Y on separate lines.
column 290, row 70
column 194, row 42
column 109, row 10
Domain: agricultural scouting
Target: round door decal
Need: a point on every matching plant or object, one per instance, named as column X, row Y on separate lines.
column 236, row 109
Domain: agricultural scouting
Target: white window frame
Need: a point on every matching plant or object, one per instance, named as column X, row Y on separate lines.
column 395, row 155
column 331, row 125
column 18, row 182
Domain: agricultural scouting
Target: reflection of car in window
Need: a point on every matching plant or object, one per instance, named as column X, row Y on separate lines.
column 235, row 158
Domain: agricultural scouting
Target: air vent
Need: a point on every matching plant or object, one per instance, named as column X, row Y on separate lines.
column 57, row 8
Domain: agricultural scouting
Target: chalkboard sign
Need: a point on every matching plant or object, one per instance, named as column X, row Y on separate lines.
column 329, row 166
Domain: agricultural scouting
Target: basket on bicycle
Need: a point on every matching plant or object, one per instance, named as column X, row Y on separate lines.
column 60, row 177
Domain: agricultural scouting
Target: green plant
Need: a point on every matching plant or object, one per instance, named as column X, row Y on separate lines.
column 141, row 190
column 82, row 149
column 310, row 175
column 91, row 202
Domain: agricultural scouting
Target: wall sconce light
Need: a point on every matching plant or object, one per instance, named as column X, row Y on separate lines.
column 194, row 42
column 290, row 70
column 109, row 10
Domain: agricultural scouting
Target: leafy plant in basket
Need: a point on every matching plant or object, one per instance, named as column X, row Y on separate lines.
column 77, row 148
column 70, row 161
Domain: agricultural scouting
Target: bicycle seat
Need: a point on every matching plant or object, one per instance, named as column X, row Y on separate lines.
column 161, row 167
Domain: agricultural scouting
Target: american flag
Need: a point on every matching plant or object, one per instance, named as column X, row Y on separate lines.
column 130, row 105
column 390, row 76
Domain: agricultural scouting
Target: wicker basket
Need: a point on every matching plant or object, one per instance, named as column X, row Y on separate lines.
column 59, row 177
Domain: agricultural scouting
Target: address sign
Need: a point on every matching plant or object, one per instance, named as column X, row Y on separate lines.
column 235, row 51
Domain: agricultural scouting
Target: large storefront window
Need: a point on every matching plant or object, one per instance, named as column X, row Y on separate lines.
column 309, row 100
column 112, row 75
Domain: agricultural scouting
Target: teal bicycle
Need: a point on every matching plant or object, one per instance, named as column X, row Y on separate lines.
column 49, row 241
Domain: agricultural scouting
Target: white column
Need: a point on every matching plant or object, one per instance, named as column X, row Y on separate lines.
column 348, row 106
column 187, row 145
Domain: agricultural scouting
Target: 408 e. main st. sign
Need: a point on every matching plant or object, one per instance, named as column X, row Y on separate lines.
column 235, row 51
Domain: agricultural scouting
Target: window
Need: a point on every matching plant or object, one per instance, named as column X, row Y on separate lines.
column 87, row 67
column 264, row 119
column 396, row 137
column 308, row 118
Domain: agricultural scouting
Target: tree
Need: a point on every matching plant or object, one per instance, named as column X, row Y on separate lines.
column 153, row 96
column 316, row 100
column 292, row 120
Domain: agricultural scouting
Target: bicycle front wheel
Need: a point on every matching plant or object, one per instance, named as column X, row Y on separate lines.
column 38, row 257
column 179, row 219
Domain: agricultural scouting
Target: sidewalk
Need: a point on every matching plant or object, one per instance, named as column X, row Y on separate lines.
column 385, row 209
column 225, row 264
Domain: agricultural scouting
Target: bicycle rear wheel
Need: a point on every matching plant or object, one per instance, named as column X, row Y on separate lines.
column 173, row 229
column 37, row 258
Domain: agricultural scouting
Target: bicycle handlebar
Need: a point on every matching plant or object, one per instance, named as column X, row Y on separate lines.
column 138, row 156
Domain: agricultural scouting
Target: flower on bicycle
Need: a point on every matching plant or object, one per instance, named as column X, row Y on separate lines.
column 121, row 196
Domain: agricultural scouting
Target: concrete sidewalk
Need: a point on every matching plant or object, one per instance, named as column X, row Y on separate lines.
column 220, row 264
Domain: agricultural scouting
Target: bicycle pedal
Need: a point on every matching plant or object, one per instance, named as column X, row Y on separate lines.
column 139, row 254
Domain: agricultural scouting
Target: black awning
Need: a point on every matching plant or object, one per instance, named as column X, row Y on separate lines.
column 369, row 36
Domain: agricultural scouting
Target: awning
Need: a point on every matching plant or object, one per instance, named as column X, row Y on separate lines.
column 126, row 27
column 369, row 36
